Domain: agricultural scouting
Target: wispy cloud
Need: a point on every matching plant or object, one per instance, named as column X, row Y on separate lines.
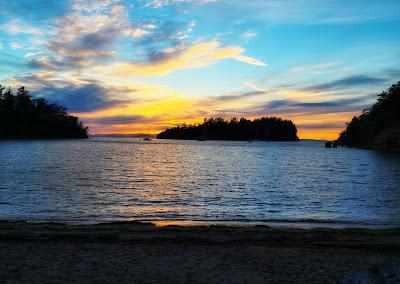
column 216, row 100
column 347, row 82
column 117, row 120
column 393, row 72
column 254, row 87
column 162, row 3
column 17, row 27
column 30, row 54
column 248, row 35
column 315, row 68
column 322, row 125
column 193, row 56
column 15, row 45
column 249, row 60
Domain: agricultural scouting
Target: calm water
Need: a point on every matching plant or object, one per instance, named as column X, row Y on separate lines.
column 106, row 179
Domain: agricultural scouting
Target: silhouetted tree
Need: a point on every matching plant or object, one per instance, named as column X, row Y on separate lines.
column 24, row 117
column 264, row 128
column 377, row 127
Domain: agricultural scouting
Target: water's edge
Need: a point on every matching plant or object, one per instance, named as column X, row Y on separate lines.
column 293, row 224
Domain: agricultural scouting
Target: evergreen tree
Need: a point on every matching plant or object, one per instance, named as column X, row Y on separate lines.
column 24, row 117
column 377, row 127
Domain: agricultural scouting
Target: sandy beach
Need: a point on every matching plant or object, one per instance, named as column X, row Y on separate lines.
column 134, row 252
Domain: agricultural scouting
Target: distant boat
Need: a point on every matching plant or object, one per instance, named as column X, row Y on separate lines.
column 148, row 136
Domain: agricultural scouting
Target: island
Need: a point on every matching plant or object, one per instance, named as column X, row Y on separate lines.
column 264, row 129
column 377, row 127
column 22, row 117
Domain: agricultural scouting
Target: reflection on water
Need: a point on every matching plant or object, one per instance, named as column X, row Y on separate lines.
column 105, row 179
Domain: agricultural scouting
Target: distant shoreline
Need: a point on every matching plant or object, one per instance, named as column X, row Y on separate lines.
column 153, row 136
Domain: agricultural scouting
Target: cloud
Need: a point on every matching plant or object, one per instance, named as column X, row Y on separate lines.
column 121, row 119
column 314, row 68
column 30, row 54
column 13, row 62
column 248, row 35
column 234, row 97
column 77, row 95
column 249, row 60
column 15, row 45
column 347, row 82
column 88, row 34
column 193, row 56
column 322, row 125
column 165, row 34
column 16, row 27
column 393, row 72
column 291, row 106
column 162, row 3
column 254, row 87
column 83, row 98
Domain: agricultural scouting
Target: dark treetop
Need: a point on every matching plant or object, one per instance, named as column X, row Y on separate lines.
column 23, row 117
column 377, row 127
column 264, row 128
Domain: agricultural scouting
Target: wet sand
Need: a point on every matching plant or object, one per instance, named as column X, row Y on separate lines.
column 143, row 253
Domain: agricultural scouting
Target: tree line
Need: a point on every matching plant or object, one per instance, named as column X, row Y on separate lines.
column 23, row 117
column 377, row 127
column 264, row 128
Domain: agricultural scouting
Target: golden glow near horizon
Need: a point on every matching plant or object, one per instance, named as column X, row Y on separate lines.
column 129, row 66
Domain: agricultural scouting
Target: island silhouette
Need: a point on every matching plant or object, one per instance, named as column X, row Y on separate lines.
column 22, row 117
column 377, row 127
column 264, row 128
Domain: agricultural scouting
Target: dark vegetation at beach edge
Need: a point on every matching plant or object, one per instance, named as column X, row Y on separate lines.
column 22, row 117
column 377, row 127
column 122, row 231
column 264, row 128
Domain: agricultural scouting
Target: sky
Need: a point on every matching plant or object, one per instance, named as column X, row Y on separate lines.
column 128, row 66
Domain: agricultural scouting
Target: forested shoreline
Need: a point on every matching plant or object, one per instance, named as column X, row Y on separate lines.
column 377, row 127
column 264, row 128
column 22, row 117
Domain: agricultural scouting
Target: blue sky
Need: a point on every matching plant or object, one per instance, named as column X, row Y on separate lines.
column 124, row 66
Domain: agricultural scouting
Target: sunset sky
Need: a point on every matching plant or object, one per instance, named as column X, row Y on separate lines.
column 126, row 66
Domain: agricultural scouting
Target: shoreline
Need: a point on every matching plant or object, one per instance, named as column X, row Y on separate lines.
column 129, row 230
column 271, row 223
column 134, row 252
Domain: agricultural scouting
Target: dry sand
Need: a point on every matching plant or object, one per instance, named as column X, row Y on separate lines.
column 143, row 253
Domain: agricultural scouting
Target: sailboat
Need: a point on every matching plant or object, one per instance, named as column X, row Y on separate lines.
column 148, row 136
